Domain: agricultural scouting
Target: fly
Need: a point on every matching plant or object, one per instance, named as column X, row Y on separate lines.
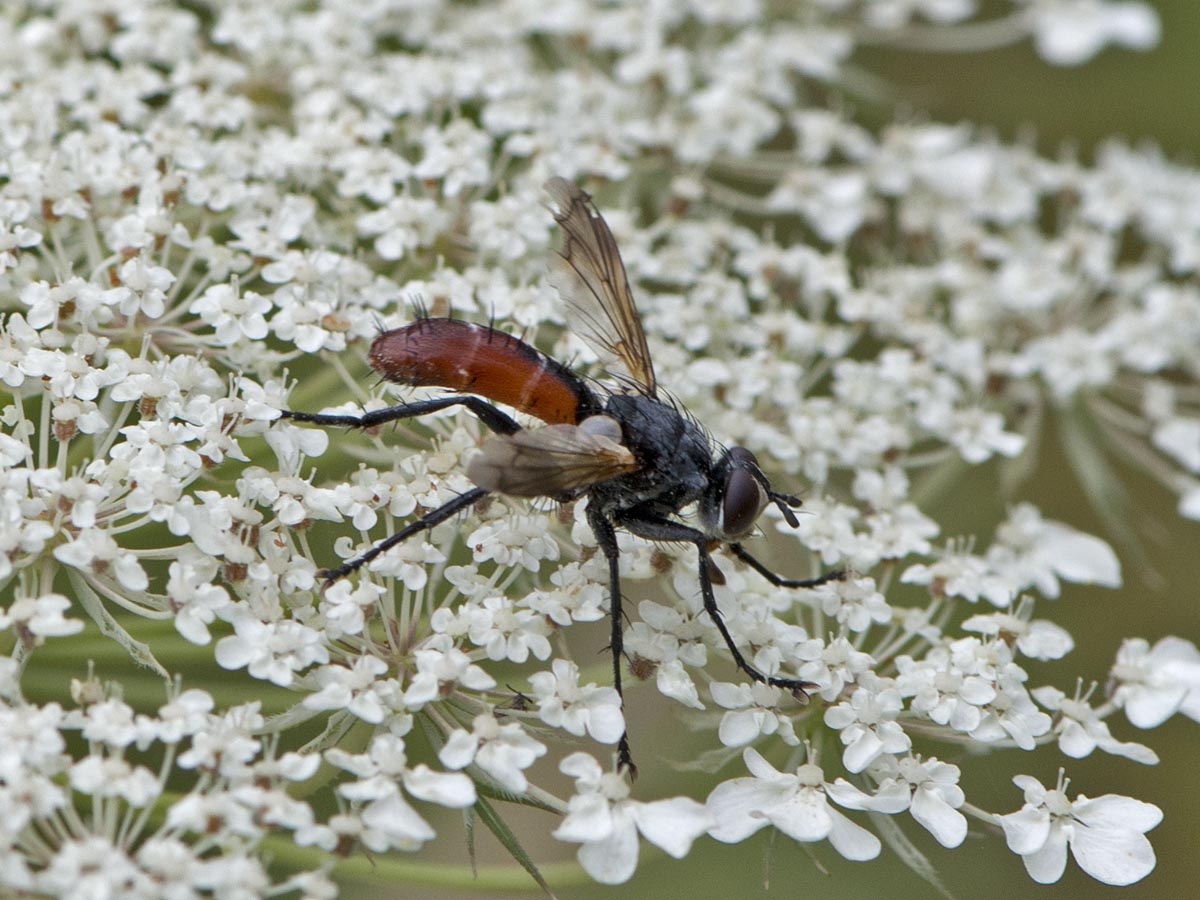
column 637, row 458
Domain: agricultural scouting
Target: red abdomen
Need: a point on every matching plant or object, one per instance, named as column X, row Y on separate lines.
column 475, row 359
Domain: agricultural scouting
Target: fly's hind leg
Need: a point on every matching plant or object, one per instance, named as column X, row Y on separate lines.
column 425, row 523
column 493, row 418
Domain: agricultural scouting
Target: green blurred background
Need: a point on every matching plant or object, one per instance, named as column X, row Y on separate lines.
column 1152, row 97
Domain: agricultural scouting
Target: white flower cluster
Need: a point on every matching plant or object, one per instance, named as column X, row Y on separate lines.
column 142, row 838
column 208, row 209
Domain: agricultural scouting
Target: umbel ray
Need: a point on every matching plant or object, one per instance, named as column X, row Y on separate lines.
column 638, row 459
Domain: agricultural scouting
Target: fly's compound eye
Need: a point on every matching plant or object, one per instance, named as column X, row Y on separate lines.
column 743, row 502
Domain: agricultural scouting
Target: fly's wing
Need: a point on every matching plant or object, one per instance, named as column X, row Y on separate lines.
column 548, row 461
column 590, row 277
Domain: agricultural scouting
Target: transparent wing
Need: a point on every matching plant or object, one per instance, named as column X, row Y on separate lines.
column 590, row 277
column 548, row 461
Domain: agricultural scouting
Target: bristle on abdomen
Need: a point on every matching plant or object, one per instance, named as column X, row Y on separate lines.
column 476, row 359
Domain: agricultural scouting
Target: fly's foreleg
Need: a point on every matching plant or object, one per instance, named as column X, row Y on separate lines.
column 778, row 580
column 656, row 529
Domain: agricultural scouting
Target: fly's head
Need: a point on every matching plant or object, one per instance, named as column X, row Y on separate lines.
column 737, row 494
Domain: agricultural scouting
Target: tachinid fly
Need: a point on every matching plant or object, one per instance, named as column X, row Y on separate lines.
column 638, row 459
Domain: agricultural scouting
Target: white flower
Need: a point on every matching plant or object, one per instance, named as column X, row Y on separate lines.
column 94, row 551
column 1154, row 683
column 1070, row 32
column 524, row 541
column 867, row 722
column 752, row 713
column 183, row 716
column 89, row 866
column 795, row 803
column 114, row 723
column 227, row 746
column 112, row 776
column 1037, row 639
column 441, row 667
column 1034, row 552
column 390, row 819
column 602, row 818
column 41, row 617
column 1179, row 437
column 926, row 788
column 855, row 603
column 573, row 599
column 832, row 665
column 346, row 606
column 671, row 640
column 196, row 600
column 960, row 574
column 503, row 751
column 358, row 689
column 578, row 710
column 506, row 632
column 274, row 651
column 1105, row 835
column 234, row 315
column 1080, row 730
column 942, row 691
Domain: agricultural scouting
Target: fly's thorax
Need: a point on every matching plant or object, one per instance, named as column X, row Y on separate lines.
column 673, row 451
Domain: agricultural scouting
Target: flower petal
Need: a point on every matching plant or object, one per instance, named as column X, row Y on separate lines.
column 804, row 816
column 1047, row 864
column 614, row 859
column 852, row 841
column 672, row 824
column 452, row 789
column 1026, row 830
column 737, row 807
column 1113, row 855
column 936, row 816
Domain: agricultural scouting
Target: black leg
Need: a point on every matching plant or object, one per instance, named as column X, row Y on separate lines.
column 606, row 537
column 744, row 555
column 655, row 529
column 488, row 414
column 427, row 521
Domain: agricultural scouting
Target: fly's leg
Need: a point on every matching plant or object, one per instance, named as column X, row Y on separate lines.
column 779, row 581
column 426, row 522
column 606, row 537
column 488, row 414
column 658, row 529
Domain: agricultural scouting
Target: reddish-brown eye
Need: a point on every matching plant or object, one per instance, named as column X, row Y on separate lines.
column 743, row 501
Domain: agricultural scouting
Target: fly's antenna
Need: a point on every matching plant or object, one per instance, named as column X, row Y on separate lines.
column 786, row 503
